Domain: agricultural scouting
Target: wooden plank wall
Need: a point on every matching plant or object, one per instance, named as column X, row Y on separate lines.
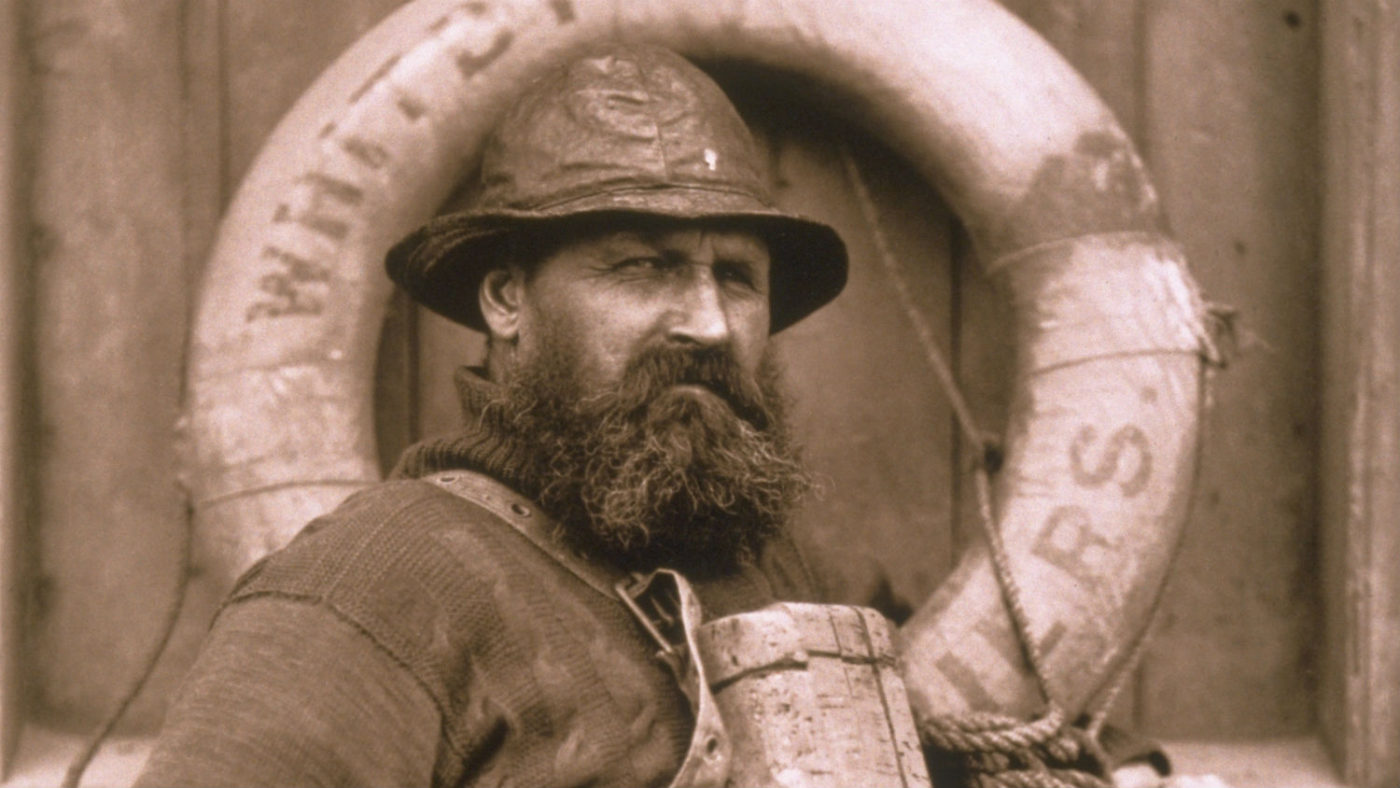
column 146, row 117
column 1230, row 130
column 106, row 246
column 12, row 323
column 1360, row 699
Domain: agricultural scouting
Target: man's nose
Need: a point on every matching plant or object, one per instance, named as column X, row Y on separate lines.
column 699, row 316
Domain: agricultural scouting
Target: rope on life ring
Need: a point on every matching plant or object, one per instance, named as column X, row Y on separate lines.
column 987, row 749
column 1111, row 331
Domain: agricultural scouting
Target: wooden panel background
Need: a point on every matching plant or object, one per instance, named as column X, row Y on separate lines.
column 1360, row 697
column 107, row 251
column 1230, row 106
column 146, row 115
column 12, row 304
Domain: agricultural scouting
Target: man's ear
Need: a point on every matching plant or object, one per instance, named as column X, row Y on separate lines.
column 501, row 295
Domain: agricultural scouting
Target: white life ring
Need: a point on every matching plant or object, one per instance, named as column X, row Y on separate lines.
column 1103, row 427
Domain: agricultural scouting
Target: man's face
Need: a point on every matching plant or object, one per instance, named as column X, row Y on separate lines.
column 620, row 293
column 644, row 395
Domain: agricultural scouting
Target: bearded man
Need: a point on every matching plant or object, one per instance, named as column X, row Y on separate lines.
column 458, row 624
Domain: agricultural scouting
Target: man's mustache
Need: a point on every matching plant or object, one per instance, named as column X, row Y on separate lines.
column 657, row 369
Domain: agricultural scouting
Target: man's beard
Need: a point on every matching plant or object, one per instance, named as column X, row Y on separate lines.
column 650, row 474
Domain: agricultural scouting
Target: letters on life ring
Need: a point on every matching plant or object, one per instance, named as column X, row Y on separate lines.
column 1103, row 430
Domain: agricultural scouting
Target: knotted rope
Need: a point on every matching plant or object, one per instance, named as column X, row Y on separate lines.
column 983, row 750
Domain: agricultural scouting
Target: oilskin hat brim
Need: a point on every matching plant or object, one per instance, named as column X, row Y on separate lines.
column 441, row 264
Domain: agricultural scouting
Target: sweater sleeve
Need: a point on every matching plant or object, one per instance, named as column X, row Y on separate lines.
column 287, row 693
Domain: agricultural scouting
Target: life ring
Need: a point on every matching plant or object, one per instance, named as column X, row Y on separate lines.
column 1103, row 427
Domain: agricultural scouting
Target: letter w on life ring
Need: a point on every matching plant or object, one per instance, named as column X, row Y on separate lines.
column 1109, row 465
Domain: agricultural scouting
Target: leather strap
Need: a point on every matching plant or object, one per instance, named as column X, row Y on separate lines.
column 532, row 523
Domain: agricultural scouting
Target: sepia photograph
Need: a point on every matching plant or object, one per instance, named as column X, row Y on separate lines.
column 800, row 393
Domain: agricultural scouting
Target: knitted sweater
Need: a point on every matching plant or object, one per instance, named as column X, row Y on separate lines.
column 412, row 638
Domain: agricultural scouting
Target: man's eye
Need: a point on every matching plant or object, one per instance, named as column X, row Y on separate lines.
column 642, row 264
column 736, row 274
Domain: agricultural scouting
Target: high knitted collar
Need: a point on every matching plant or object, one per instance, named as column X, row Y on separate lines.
column 479, row 446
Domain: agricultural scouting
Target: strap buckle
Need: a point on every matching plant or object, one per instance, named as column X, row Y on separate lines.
column 657, row 607
column 664, row 603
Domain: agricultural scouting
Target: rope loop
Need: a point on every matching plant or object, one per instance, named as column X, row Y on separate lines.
column 984, row 750
column 985, row 732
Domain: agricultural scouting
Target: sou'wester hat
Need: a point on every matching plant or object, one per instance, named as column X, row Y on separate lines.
column 625, row 130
